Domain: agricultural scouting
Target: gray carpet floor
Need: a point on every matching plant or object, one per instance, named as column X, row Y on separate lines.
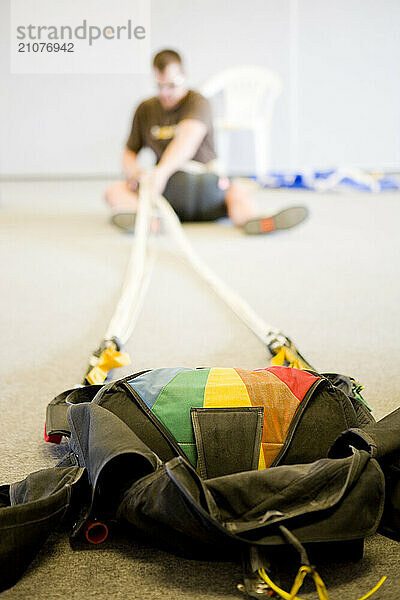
column 332, row 284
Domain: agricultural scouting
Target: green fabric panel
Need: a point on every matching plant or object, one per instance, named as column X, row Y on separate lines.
column 173, row 406
column 191, row 452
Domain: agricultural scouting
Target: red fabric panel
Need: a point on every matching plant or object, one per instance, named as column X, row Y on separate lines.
column 298, row 381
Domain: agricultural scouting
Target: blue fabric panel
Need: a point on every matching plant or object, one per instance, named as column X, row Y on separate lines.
column 150, row 385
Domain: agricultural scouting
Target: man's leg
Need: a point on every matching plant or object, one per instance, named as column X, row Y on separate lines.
column 194, row 197
column 239, row 200
column 205, row 198
column 243, row 210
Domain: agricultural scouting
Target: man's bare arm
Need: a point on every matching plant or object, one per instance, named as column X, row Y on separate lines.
column 130, row 164
column 183, row 147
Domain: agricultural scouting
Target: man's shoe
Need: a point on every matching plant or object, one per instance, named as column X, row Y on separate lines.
column 124, row 220
column 286, row 218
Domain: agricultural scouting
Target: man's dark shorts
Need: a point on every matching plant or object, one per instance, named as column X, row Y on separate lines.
column 196, row 197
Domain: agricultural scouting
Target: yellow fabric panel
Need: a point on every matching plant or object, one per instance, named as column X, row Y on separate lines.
column 224, row 388
column 261, row 460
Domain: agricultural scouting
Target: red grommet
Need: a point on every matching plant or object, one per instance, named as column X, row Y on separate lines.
column 96, row 532
column 53, row 439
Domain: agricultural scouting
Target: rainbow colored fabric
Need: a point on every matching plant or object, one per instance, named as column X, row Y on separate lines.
column 171, row 392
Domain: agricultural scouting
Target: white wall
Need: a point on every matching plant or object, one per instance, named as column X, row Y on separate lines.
column 349, row 83
column 339, row 62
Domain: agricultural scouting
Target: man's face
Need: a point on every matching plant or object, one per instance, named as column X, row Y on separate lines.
column 171, row 83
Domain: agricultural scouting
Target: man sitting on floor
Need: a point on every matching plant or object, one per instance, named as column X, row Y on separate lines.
column 177, row 126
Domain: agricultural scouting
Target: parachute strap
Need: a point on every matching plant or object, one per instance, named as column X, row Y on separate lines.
column 319, row 584
column 110, row 358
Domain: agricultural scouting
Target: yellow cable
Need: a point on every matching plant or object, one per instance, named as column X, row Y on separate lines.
column 319, row 584
column 298, row 582
column 374, row 589
column 277, row 589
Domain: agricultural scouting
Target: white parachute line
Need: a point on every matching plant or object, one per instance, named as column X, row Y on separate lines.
column 141, row 264
column 264, row 332
column 137, row 305
column 122, row 318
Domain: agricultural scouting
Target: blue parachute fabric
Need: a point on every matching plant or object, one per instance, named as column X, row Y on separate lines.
column 330, row 180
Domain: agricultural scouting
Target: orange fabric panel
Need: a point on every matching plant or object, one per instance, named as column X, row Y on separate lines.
column 280, row 404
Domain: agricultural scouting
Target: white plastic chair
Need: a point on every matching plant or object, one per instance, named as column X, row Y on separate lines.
column 249, row 95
